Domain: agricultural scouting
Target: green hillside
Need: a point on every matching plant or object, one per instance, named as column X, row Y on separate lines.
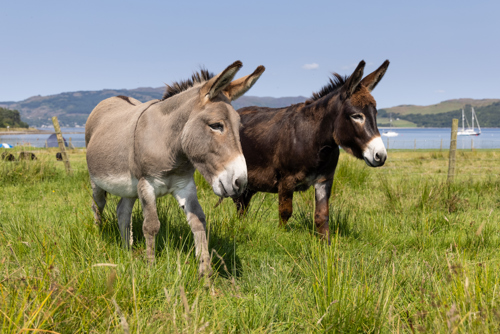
column 399, row 123
column 442, row 107
column 488, row 116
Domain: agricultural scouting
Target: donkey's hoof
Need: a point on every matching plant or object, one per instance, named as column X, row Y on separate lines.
column 205, row 272
column 150, row 259
column 325, row 236
column 205, row 269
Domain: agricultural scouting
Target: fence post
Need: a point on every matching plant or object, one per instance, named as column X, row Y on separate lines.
column 441, row 146
column 415, row 145
column 472, row 144
column 453, row 150
column 387, row 144
column 60, row 141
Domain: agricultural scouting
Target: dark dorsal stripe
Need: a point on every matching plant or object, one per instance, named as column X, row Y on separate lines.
column 180, row 86
column 336, row 82
column 125, row 98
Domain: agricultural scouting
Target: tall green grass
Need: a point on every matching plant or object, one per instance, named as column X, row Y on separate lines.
column 410, row 253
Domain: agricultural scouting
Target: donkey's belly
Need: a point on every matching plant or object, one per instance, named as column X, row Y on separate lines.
column 119, row 185
column 126, row 186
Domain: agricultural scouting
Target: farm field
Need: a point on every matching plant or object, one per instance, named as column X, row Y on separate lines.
column 409, row 253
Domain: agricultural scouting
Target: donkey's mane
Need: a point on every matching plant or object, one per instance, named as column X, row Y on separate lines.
column 179, row 86
column 336, row 82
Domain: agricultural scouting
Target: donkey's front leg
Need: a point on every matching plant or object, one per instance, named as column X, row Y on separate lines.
column 151, row 224
column 188, row 201
column 285, row 195
column 323, row 191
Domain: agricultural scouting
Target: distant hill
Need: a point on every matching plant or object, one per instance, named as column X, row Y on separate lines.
column 488, row 116
column 271, row 102
column 74, row 107
column 441, row 107
column 441, row 114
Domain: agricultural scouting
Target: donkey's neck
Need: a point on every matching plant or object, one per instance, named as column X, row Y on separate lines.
column 157, row 143
column 323, row 114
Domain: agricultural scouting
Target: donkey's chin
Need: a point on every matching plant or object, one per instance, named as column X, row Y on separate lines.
column 232, row 181
column 375, row 153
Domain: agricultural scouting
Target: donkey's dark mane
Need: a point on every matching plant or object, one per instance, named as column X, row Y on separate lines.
column 179, row 86
column 336, row 82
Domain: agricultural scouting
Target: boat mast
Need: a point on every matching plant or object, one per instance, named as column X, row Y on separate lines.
column 473, row 113
column 472, row 119
column 463, row 117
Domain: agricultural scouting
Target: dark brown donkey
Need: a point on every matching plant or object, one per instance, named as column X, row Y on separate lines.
column 289, row 149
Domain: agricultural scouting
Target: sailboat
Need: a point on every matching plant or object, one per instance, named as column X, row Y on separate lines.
column 390, row 132
column 470, row 130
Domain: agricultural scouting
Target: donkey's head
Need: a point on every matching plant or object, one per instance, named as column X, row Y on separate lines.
column 211, row 138
column 355, row 128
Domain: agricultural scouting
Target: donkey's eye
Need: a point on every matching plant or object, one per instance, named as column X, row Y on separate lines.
column 217, row 126
column 358, row 117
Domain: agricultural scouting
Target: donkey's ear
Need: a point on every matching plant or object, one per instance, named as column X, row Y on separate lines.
column 372, row 79
column 240, row 86
column 214, row 86
column 350, row 86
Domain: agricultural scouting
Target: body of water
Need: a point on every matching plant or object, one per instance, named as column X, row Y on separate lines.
column 77, row 136
column 407, row 139
column 420, row 138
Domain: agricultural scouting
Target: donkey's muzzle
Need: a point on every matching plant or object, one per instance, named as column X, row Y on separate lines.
column 375, row 153
column 232, row 181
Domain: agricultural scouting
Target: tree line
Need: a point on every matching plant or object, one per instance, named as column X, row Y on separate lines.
column 11, row 118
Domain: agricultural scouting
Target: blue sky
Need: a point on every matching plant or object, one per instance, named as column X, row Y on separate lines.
column 438, row 50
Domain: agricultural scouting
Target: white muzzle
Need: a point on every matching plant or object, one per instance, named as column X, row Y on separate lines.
column 375, row 153
column 232, row 180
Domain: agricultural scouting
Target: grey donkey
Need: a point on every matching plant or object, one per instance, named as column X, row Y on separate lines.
column 147, row 150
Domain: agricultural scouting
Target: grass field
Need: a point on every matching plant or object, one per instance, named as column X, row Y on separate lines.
column 410, row 254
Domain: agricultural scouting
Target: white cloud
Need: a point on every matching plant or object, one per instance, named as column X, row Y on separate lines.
column 440, row 91
column 311, row 66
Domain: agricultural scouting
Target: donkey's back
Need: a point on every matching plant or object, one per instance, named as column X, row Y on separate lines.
column 109, row 137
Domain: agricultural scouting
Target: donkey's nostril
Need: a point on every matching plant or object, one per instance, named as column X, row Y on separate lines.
column 240, row 184
column 380, row 157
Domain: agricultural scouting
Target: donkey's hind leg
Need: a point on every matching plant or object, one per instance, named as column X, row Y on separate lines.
column 99, row 196
column 124, row 214
column 243, row 201
column 151, row 224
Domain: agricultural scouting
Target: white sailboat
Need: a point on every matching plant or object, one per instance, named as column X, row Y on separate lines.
column 470, row 130
column 390, row 132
